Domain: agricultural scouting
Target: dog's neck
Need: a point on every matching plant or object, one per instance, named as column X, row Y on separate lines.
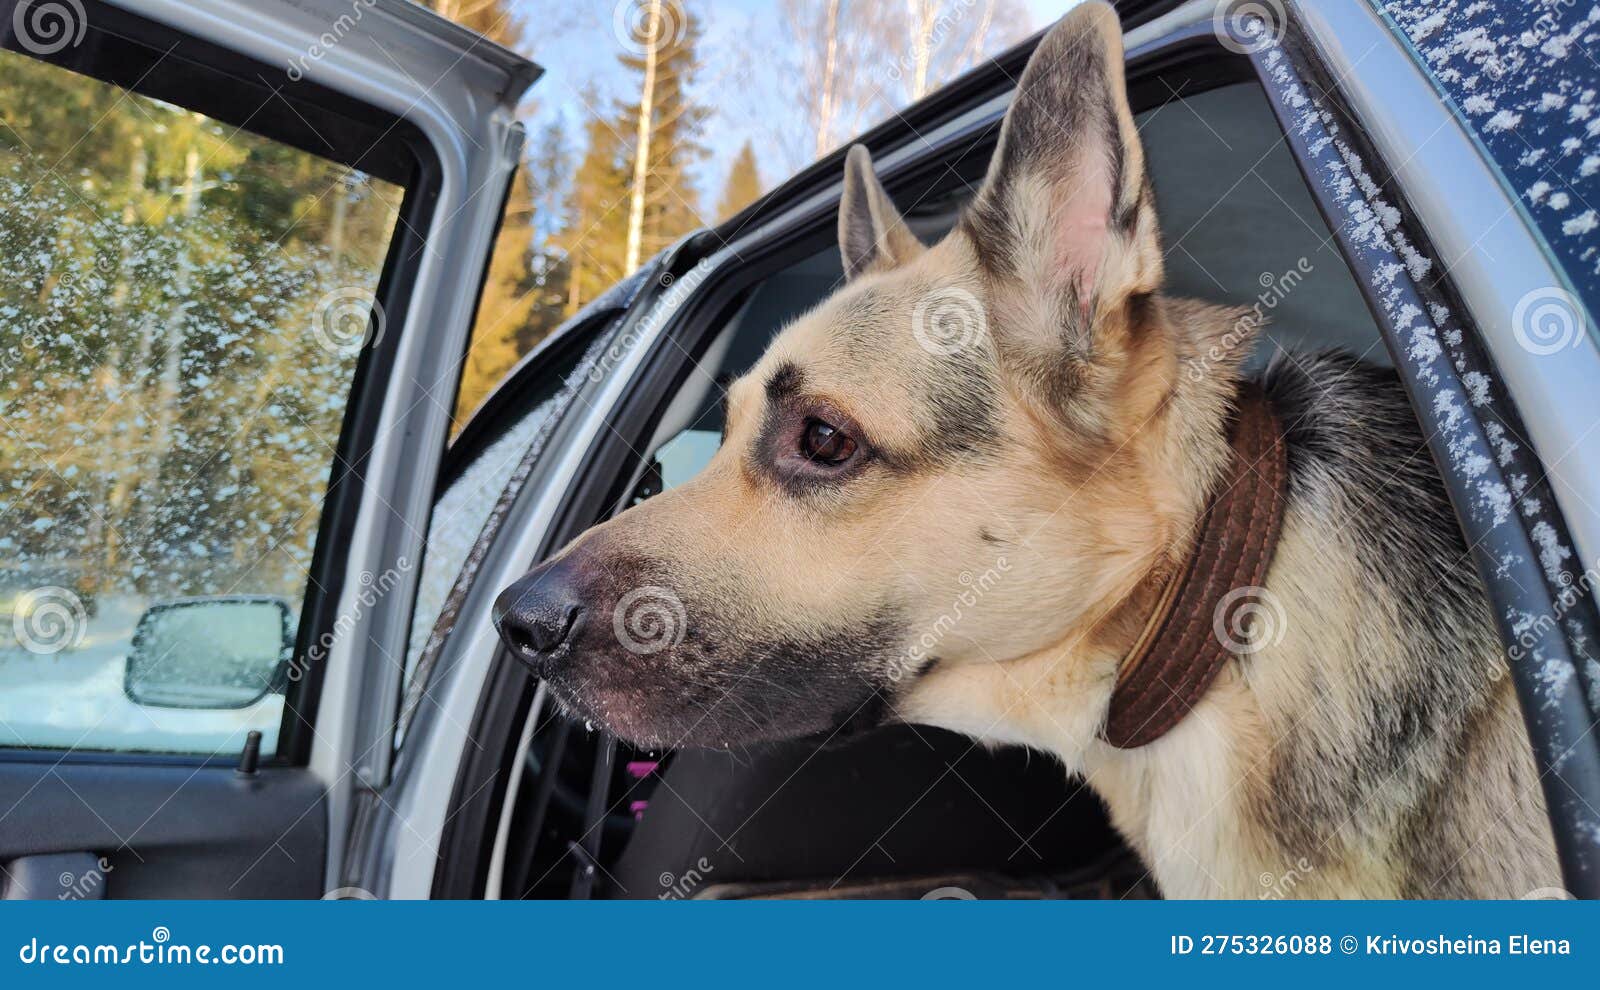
column 1139, row 652
column 1196, row 618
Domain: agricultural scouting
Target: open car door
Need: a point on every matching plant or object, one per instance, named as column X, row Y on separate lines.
column 242, row 244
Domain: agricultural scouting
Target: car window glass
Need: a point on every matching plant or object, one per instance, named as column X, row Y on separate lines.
column 682, row 457
column 458, row 519
column 1240, row 228
column 181, row 316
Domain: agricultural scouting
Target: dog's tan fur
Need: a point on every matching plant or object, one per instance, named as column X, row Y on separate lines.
column 1072, row 441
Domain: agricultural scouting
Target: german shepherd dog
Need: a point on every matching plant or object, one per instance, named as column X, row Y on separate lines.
column 1064, row 450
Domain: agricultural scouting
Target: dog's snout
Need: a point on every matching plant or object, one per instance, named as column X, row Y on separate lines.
column 537, row 614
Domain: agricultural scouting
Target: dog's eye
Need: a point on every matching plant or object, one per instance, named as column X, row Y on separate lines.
column 826, row 443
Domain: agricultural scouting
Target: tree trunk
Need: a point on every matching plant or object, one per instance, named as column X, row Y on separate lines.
column 923, row 15
column 641, row 151
column 830, row 63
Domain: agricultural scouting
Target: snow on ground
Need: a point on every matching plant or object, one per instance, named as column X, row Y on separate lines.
column 74, row 699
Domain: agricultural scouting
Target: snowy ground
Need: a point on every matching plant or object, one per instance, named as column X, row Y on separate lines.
column 74, row 699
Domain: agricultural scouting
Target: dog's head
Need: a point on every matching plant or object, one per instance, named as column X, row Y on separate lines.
column 963, row 456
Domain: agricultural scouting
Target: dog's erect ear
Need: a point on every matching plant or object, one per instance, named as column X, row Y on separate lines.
column 871, row 234
column 1065, row 215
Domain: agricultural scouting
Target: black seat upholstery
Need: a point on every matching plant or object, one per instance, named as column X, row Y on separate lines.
column 897, row 802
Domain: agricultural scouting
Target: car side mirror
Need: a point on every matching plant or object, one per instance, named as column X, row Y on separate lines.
column 217, row 652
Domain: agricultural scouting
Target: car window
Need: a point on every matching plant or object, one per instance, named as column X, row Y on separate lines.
column 181, row 316
column 458, row 518
column 509, row 430
column 1522, row 78
column 1241, row 228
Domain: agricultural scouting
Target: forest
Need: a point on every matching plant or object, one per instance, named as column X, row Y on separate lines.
column 184, row 300
column 600, row 193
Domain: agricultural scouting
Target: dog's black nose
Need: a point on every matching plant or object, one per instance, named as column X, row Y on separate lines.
column 537, row 614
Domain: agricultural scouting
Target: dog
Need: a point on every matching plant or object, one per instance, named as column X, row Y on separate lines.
column 1048, row 471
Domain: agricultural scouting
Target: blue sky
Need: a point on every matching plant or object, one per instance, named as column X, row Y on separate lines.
column 741, row 81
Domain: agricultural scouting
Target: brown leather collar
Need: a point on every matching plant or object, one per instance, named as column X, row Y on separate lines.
column 1180, row 653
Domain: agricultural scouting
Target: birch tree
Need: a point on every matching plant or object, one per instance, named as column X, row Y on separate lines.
column 664, row 124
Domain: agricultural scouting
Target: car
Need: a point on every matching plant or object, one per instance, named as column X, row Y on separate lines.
column 1351, row 171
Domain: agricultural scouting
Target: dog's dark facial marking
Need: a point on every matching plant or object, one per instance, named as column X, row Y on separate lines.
column 783, row 451
column 785, row 381
column 957, row 393
column 727, row 682
column 961, row 393
column 987, row 536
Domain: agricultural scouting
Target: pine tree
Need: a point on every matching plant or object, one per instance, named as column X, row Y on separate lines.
column 504, row 306
column 491, row 18
column 597, row 215
column 744, row 183
column 550, row 175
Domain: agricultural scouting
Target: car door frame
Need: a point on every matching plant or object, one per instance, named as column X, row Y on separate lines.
column 442, row 841
column 1406, row 149
column 450, row 95
column 804, row 208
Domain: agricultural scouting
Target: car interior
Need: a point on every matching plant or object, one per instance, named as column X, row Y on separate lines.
column 907, row 811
